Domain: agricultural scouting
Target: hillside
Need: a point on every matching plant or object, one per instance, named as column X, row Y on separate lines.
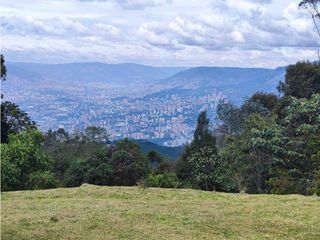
column 235, row 83
column 92, row 212
column 94, row 72
column 168, row 152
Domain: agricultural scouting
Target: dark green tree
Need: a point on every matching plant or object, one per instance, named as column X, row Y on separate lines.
column 3, row 69
column 96, row 134
column 128, row 162
column 203, row 138
column 13, row 120
column 67, row 150
column 296, row 167
column 266, row 100
column 302, row 80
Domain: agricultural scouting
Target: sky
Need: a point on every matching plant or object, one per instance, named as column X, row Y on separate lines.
column 241, row 33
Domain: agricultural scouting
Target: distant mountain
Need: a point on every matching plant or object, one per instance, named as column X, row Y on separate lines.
column 127, row 73
column 236, row 83
column 230, row 81
column 170, row 152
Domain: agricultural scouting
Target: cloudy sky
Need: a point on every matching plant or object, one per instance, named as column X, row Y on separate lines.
column 244, row 33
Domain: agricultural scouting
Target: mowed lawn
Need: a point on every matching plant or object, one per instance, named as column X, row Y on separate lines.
column 96, row 212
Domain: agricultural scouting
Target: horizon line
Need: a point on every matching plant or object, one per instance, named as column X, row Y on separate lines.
column 141, row 64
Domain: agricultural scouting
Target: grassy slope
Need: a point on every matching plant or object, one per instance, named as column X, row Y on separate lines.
column 92, row 212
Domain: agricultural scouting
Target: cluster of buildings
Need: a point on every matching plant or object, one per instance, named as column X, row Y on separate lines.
column 164, row 118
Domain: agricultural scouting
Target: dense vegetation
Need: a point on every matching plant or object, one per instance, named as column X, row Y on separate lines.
column 269, row 144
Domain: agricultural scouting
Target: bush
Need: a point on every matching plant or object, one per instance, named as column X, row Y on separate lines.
column 315, row 187
column 166, row 180
column 76, row 174
column 24, row 164
column 42, row 180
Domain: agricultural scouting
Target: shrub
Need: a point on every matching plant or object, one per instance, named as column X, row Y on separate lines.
column 166, row 180
column 24, row 164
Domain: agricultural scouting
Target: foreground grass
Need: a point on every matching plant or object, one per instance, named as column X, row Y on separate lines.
column 92, row 212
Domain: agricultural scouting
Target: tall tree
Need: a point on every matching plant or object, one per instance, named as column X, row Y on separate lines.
column 128, row 162
column 312, row 7
column 203, row 136
column 3, row 69
column 198, row 158
column 13, row 120
column 302, row 80
column 203, row 164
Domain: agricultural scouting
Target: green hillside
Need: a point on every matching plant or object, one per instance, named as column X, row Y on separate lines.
column 168, row 152
column 93, row 212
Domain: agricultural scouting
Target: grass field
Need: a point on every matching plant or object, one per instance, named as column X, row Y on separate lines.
column 92, row 212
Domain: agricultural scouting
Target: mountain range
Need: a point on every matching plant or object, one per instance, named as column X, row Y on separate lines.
column 94, row 72
column 235, row 83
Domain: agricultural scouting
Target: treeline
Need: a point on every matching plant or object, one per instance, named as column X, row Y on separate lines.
column 269, row 144
column 32, row 160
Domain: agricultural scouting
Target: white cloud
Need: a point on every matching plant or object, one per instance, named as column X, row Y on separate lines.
column 27, row 25
column 141, row 4
column 134, row 4
column 237, row 37
column 159, row 32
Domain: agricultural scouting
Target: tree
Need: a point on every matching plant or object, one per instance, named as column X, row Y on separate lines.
column 154, row 159
column 302, row 80
column 100, row 169
column 76, row 174
column 13, row 120
column 312, row 7
column 301, row 130
column 96, row 168
column 230, row 176
column 128, row 162
column 3, row 69
column 203, row 164
column 23, row 163
column 267, row 100
column 202, row 138
column 96, row 134
column 245, row 160
column 67, row 150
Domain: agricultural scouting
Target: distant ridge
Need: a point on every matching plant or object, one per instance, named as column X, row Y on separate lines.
column 126, row 73
column 236, row 83
column 169, row 152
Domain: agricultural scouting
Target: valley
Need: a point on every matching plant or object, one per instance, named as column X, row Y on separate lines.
column 159, row 104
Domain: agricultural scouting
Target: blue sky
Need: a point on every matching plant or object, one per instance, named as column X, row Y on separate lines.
column 244, row 33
